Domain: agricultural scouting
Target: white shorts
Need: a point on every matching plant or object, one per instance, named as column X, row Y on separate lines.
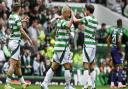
column 89, row 54
column 14, row 46
column 62, row 59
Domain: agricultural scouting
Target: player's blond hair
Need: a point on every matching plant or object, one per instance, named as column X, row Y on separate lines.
column 65, row 9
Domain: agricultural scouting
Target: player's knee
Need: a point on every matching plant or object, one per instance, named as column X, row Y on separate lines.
column 53, row 69
column 18, row 72
column 10, row 71
column 91, row 70
column 86, row 66
column 67, row 66
column 54, row 66
column 12, row 63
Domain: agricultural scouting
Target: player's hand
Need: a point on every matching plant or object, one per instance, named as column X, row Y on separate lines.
column 83, row 9
column 25, row 19
column 58, row 17
column 72, row 13
column 30, row 42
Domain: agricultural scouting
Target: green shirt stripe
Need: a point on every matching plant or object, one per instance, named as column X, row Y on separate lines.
column 91, row 24
column 62, row 35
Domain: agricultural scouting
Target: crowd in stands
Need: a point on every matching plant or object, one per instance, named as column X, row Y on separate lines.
column 119, row 6
column 37, row 59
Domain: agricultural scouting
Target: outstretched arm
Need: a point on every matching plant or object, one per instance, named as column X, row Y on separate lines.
column 25, row 35
column 55, row 18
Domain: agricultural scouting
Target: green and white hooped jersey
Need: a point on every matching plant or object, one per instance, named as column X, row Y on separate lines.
column 91, row 24
column 14, row 24
column 62, row 35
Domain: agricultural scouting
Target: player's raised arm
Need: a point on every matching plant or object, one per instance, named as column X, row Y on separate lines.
column 55, row 18
column 25, row 19
column 74, row 18
column 25, row 35
column 69, row 24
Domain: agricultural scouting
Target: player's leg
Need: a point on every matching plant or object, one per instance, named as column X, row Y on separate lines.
column 67, row 63
column 88, row 58
column 113, row 78
column 67, row 75
column 114, row 70
column 49, row 75
column 15, row 52
column 86, row 75
column 18, row 72
column 93, row 75
column 50, row 72
column 116, row 56
column 10, row 73
column 92, row 66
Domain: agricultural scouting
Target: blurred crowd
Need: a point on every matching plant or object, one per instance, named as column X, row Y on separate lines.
column 37, row 59
column 119, row 6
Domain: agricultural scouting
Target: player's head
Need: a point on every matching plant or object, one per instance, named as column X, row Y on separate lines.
column 89, row 9
column 66, row 12
column 16, row 6
column 119, row 23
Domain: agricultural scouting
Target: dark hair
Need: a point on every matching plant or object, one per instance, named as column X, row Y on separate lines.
column 35, row 19
column 90, row 8
column 119, row 22
column 16, row 6
column 103, row 24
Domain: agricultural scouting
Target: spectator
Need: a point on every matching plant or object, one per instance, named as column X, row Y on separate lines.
column 101, row 34
column 41, row 36
column 26, row 61
column 9, row 4
column 126, row 10
column 38, row 65
column 117, row 7
column 33, row 32
column 110, row 3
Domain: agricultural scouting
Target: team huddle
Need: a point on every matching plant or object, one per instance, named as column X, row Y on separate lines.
column 62, row 54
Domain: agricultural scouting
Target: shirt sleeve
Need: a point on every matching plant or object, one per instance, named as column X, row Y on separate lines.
column 125, row 31
column 64, row 24
column 84, row 21
column 18, row 22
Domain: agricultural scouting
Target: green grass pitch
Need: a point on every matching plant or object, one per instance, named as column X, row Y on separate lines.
column 52, row 87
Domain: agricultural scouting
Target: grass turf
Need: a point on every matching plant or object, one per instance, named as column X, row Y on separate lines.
column 51, row 87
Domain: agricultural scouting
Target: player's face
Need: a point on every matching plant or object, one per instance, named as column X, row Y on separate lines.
column 87, row 12
column 19, row 10
column 67, row 14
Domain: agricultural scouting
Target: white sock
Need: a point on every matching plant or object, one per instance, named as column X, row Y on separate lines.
column 49, row 76
column 67, row 75
column 21, row 79
column 8, row 80
column 93, row 77
column 86, row 77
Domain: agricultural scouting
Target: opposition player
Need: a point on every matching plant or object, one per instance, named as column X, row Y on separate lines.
column 89, row 48
column 62, row 53
column 15, row 25
column 115, row 37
